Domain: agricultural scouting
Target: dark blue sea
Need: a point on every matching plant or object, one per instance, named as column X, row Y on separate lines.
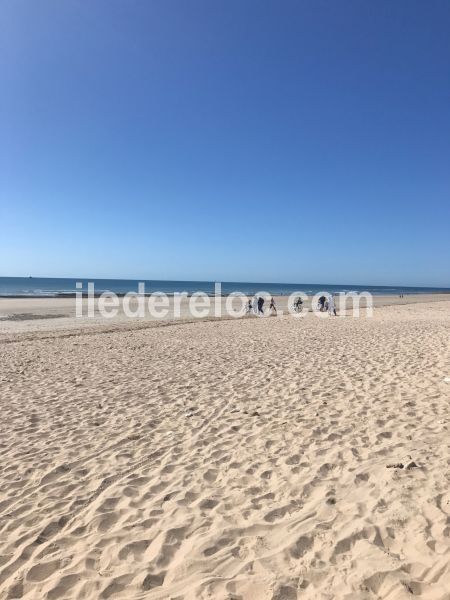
column 54, row 287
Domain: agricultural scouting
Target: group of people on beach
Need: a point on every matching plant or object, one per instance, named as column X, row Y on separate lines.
column 327, row 305
column 256, row 306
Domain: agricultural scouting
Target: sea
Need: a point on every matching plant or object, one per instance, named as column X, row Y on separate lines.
column 49, row 287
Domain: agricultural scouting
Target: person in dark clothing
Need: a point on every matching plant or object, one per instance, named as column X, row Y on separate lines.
column 260, row 306
column 272, row 306
column 298, row 304
column 322, row 300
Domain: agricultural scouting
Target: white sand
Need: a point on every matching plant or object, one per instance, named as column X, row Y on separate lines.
column 227, row 459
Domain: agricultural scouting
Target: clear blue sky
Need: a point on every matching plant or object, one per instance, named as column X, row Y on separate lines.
column 244, row 140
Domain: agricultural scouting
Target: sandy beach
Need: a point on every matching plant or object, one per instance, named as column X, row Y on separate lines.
column 44, row 314
column 224, row 300
column 250, row 459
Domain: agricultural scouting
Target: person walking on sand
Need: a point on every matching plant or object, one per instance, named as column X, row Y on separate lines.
column 272, row 307
column 249, row 308
column 260, row 306
column 322, row 303
column 298, row 304
column 331, row 305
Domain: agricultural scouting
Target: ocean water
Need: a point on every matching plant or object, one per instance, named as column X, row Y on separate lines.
column 55, row 287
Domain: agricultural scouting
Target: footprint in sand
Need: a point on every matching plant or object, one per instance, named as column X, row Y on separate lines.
column 153, row 580
column 301, row 546
column 61, row 590
column 285, row 592
column 277, row 513
column 208, row 504
column 42, row 571
column 55, row 474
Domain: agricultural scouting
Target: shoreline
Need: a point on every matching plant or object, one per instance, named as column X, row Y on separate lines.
column 186, row 294
column 59, row 314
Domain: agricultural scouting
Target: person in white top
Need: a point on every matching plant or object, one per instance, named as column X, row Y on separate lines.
column 331, row 305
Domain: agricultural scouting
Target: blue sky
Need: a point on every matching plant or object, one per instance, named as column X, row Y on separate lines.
column 242, row 140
